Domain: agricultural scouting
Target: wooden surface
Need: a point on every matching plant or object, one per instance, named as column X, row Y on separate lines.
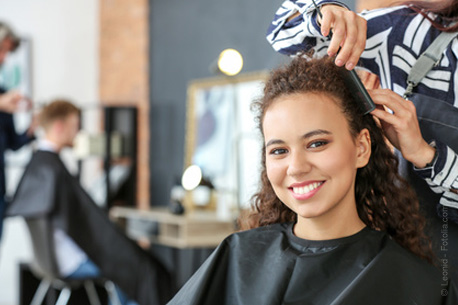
column 199, row 229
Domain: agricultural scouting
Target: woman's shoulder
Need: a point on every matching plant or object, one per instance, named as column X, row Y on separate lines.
column 419, row 278
column 407, row 261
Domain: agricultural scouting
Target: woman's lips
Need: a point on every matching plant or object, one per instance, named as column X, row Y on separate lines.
column 304, row 191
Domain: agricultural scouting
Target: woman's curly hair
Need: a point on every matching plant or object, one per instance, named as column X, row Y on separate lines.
column 384, row 199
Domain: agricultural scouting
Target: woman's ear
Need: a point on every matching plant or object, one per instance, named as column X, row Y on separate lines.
column 363, row 142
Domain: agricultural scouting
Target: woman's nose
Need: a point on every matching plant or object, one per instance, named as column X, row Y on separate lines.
column 298, row 164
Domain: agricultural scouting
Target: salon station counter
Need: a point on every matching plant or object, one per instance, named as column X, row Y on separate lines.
column 197, row 229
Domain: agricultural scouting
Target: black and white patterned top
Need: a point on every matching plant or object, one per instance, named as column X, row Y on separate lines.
column 396, row 37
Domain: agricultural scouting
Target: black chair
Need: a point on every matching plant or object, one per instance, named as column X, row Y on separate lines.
column 44, row 266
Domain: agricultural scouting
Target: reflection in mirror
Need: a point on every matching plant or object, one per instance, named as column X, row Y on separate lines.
column 222, row 137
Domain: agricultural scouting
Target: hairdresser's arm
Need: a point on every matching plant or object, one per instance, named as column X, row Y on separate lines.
column 9, row 101
column 434, row 162
column 11, row 139
column 297, row 25
column 295, row 29
column 442, row 175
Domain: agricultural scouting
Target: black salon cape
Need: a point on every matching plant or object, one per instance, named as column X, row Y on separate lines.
column 47, row 188
column 270, row 265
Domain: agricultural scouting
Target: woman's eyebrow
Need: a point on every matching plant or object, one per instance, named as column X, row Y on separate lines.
column 316, row 132
column 274, row 142
column 305, row 136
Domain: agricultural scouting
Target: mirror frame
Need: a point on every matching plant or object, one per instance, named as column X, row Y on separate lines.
column 197, row 85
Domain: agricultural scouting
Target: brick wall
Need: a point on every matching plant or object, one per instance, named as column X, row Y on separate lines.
column 124, row 72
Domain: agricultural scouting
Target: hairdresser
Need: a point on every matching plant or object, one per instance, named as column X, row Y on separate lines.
column 9, row 102
column 405, row 46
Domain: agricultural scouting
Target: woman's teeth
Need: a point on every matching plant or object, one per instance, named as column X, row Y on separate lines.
column 307, row 188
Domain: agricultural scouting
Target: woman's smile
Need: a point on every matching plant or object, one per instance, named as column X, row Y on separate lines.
column 306, row 190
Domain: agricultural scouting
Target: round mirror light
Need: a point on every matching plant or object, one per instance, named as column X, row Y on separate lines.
column 230, row 62
column 191, row 177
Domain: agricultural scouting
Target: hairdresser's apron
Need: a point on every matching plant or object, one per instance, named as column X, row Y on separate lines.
column 438, row 121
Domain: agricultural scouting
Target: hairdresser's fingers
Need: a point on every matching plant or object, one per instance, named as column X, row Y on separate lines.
column 370, row 80
column 9, row 101
column 403, row 116
column 401, row 126
column 28, row 103
column 354, row 41
column 328, row 17
column 386, row 117
column 360, row 43
column 393, row 101
column 406, row 138
column 382, row 117
column 333, row 21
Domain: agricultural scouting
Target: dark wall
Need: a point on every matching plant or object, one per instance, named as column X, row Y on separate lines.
column 186, row 36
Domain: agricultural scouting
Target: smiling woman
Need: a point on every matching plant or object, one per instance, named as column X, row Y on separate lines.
column 348, row 157
column 333, row 222
column 312, row 166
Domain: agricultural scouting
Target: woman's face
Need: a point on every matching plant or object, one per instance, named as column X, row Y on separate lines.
column 311, row 157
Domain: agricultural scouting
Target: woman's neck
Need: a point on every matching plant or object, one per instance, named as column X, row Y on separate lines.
column 336, row 224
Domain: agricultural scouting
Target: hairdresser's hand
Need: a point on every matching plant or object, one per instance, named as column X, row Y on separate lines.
column 401, row 127
column 35, row 122
column 9, row 101
column 369, row 80
column 348, row 33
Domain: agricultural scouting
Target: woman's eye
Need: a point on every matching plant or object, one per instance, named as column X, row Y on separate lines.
column 317, row 144
column 278, row 151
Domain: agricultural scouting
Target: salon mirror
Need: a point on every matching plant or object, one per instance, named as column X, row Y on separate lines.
column 222, row 137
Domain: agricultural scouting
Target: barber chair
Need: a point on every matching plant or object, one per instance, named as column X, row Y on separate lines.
column 45, row 267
